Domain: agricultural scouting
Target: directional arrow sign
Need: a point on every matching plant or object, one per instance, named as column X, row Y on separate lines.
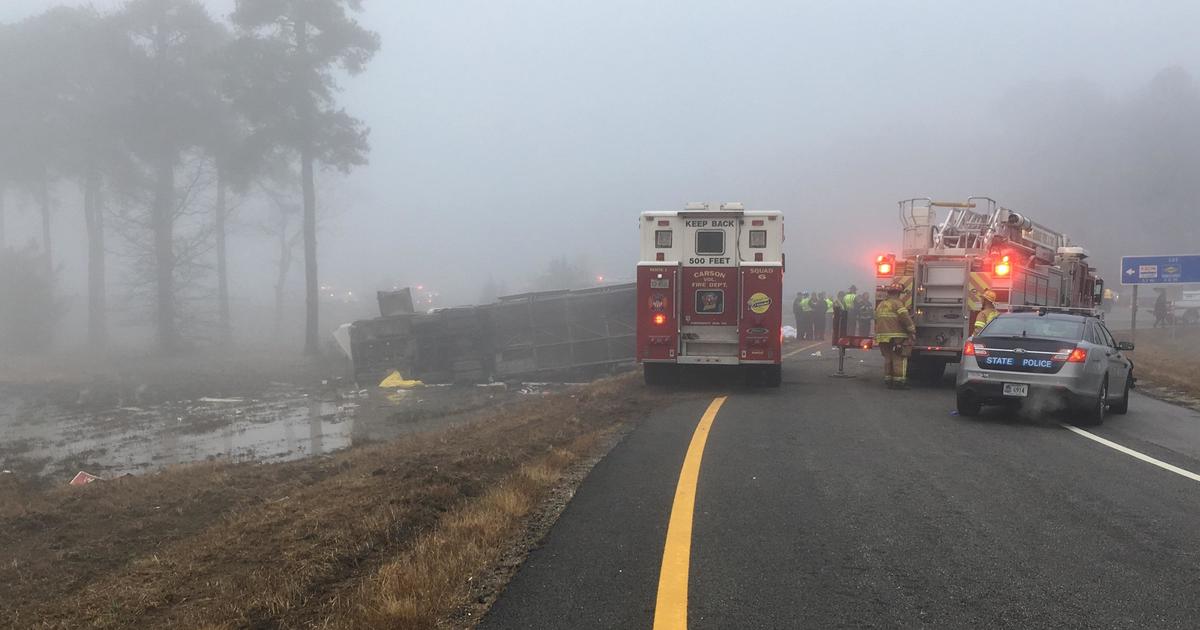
column 1160, row 269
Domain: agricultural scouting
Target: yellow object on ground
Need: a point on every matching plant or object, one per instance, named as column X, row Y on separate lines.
column 395, row 381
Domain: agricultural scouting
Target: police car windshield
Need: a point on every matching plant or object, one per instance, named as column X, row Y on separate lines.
column 1033, row 326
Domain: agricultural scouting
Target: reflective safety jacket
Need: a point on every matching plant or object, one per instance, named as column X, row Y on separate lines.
column 892, row 321
column 828, row 305
column 848, row 301
column 984, row 318
column 805, row 305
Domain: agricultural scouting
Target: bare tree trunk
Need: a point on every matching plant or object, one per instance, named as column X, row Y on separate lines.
column 44, row 193
column 3, row 240
column 93, row 210
column 163, row 224
column 312, row 299
column 285, row 265
column 226, row 330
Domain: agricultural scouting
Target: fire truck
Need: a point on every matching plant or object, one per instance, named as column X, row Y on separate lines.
column 947, row 264
column 710, row 291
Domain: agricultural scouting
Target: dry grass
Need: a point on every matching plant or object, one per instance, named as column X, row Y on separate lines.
column 386, row 536
column 1169, row 362
column 419, row 588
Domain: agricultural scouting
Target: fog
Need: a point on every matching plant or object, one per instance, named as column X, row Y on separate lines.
column 504, row 135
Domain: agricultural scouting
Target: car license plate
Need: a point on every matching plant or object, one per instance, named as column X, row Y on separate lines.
column 1016, row 390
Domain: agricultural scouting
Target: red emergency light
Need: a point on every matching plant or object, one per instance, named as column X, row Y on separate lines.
column 1003, row 267
column 885, row 265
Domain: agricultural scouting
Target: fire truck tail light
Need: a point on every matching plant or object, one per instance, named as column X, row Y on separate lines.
column 660, row 319
column 1003, row 267
column 660, row 256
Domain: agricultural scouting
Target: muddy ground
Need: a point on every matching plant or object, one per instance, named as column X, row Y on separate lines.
column 267, row 503
column 154, row 416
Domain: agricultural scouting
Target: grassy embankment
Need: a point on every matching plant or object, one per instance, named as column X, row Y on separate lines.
column 405, row 534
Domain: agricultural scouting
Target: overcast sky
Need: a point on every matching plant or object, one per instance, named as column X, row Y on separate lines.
column 505, row 133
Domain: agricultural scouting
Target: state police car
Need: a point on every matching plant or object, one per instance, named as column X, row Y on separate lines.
column 1046, row 359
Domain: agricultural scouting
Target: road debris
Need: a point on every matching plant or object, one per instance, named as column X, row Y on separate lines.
column 83, row 478
column 395, row 381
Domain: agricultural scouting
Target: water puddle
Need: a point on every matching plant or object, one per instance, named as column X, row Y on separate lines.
column 281, row 425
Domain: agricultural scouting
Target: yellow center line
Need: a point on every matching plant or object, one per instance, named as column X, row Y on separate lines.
column 799, row 350
column 670, row 609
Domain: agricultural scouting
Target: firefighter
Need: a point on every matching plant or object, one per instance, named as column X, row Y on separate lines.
column 988, row 312
column 895, row 333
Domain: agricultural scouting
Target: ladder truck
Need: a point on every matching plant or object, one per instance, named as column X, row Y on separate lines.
column 945, row 266
column 710, row 291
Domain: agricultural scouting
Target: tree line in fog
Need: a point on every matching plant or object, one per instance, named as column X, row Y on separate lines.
column 162, row 119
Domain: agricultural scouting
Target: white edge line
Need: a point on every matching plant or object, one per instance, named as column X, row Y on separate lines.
column 1132, row 453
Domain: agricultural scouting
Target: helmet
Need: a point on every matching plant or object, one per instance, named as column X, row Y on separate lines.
column 990, row 296
column 894, row 287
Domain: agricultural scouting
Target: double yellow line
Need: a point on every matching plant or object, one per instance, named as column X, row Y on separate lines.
column 670, row 609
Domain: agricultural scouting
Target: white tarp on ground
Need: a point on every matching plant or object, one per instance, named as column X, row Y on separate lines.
column 789, row 332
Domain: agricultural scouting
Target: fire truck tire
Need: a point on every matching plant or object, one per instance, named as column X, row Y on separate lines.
column 657, row 374
column 772, row 376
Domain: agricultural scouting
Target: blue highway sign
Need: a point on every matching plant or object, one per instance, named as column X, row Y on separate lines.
column 1160, row 269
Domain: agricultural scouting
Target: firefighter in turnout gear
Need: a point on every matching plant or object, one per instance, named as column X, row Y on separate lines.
column 894, row 333
column 987, row 313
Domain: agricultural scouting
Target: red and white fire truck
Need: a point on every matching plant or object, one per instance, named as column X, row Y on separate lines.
column 710, row 291
column 946, row 266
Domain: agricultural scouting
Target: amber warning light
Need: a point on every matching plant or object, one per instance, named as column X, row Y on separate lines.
column 660, row 319
column 885, row 265
column 1003, row 267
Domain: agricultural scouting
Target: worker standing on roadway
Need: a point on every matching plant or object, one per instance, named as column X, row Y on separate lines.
column 800, row 311
column 839, row 318
column 895, row 333
column 988, row 312
column 864, row 313
column 848, row 310
column 820, row 313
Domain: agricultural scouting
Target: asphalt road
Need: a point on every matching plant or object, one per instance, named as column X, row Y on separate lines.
column 839, row 503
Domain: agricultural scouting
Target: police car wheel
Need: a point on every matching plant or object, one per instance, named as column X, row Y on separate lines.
column 1123, row 406
column 1092, row 412
column 967, row 405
